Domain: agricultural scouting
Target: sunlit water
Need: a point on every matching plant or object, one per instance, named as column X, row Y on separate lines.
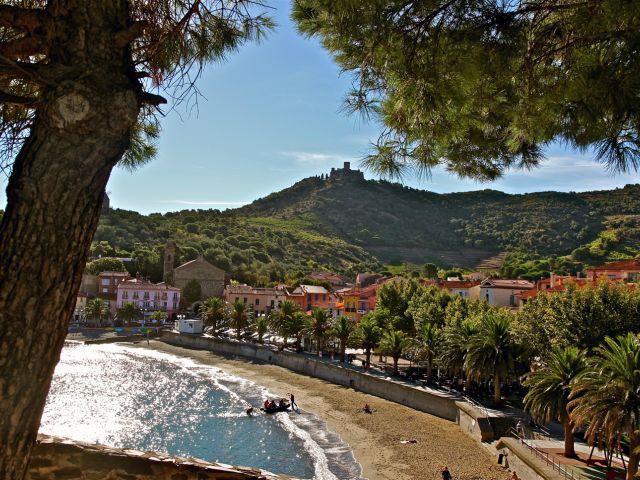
column 147, row 400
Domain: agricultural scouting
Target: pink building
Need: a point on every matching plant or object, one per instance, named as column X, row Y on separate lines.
column 148, row 296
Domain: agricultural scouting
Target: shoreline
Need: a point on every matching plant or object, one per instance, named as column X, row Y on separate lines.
column 375, row 440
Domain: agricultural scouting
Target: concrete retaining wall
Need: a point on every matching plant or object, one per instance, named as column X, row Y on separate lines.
column 441, row 405
column 59, row 458
column 473, row 423
column 520, row 460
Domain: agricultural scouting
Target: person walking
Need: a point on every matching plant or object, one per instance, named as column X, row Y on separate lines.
column 446, row 474
column 292, row 397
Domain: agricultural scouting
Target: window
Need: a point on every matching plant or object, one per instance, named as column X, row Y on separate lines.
column 272, row 303
column 136, row 295
column 105, row 290
column 317, row 297
column 105, row 281
column 324, row 296
column 164, row 304
column 512, row 300
column 237, row 298
column 244, row 300
column 257, row 301
column 175, row 296
column 146, row 295
column 164, row 296
column 125, row 295
column 309, row 297
column 174, row 305
column 146, row 304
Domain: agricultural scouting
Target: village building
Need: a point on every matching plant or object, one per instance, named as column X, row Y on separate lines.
column 260, row 301
column 503, row 292
column 336, row 281
column 210, row 278
column 148, row 297
column 469, row 290
column 107, row 287
column 366, row 279
column 626, row 270
column 309, row 297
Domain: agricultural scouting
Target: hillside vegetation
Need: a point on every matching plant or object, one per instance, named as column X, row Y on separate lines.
column 347, row 226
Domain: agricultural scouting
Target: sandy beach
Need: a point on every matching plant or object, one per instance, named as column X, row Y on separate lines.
column 376, row 439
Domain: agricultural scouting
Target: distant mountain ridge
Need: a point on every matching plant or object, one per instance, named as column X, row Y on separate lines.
column 348, row 224
column 395, row 222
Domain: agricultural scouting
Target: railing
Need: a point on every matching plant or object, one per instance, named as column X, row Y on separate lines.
column 485, row 411
column 548, row 458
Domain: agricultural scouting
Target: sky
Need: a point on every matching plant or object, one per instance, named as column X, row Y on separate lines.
column 270, row 116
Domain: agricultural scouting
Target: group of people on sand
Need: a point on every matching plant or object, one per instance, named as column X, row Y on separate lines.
column 271, row 404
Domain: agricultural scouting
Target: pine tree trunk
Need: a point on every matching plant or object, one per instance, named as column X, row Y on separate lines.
column 54, row 198
column 569, row 448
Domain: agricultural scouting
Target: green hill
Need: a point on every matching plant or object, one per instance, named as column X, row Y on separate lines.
column 347, row 225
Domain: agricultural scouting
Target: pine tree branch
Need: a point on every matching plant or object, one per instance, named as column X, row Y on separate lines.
column 23, row 47
column 151, row 99
column 135, row 30
column 26, row 19
column 23, row 70
column 8, row 98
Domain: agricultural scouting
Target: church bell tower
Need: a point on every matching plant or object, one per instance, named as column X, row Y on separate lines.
column 169, row 258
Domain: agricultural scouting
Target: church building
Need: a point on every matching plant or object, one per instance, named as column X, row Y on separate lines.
column 210, row 277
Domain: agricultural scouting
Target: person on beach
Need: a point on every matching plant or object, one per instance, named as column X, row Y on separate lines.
column 514, row 476
column 293, row 401
column 367, row 408
column 446, row 474
column 520, row 429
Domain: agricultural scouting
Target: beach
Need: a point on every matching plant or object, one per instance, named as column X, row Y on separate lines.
column 376, row 439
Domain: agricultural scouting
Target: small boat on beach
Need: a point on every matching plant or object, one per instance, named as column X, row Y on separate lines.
column 276, row 408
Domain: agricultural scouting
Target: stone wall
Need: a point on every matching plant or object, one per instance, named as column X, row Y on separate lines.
column 439, row 404
column 63, row 459
column 521, row 460
column 474, row 423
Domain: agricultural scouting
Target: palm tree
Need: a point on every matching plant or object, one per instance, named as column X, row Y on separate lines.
column 297, row 325
column 342, row 328
column 128, row 312
column 159, row 316
column 492, row 351
column 394, row 343
column 456, row 338
column 97, row 309
column 261, row 325
column 319, row 324
column 213, row 312
column 606, row 396
column 427, row 343
column 549, row 390
column 368, row 336
column 239, row 316
column 281, row 318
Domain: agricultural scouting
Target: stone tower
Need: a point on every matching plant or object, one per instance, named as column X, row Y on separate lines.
column 169, row 258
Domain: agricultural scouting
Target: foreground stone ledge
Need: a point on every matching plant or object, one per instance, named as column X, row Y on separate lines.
column 56, row 458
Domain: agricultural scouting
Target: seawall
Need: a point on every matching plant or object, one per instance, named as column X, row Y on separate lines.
column 440, row 404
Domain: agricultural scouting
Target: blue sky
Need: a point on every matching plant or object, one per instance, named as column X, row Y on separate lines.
column 271, row 116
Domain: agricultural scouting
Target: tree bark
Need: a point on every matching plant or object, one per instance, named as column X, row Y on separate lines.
column 569, row 444
column 497, row 393
column 54, row 197
column 343, row 349
column 634, row 456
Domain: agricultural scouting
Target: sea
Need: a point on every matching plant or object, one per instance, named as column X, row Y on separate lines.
column 147, row 400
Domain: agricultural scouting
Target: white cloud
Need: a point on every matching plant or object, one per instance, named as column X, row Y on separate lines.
column 316, row 158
